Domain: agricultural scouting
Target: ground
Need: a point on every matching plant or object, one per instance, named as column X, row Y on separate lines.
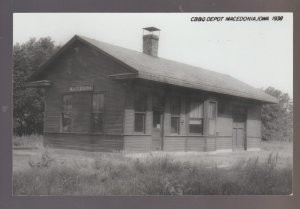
column 125, row 173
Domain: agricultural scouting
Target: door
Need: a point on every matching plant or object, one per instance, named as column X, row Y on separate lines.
column 238, row 135
column 239, row 129
column 157, row 130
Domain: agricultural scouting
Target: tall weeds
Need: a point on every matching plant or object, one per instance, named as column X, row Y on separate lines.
column 154, row 176
column 32, row 141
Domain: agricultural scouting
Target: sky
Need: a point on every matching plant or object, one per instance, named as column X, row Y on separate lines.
column 258, row 53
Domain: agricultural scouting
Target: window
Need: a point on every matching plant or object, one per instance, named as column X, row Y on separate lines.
column 175, row 114
column 67, row 112
column 196, row 117
column 157, row 119
column 158, row 101
column 97, row 112
column 212, row 114
column 212, row 110
column 140, row 105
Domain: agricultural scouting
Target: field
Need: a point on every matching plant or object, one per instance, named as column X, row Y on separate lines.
column 40, row 171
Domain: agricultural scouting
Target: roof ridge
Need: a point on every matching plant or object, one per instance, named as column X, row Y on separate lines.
column 102, row 42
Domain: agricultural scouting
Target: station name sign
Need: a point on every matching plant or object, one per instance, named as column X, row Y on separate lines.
column 81, row 88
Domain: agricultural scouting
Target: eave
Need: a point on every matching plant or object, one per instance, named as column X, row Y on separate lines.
column 123, row 76
column 39, row 84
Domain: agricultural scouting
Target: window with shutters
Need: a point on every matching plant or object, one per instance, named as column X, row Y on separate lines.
column 196, row 117
column 67, row 112
column 175, row 114
column 97, row 112
column 140, row 106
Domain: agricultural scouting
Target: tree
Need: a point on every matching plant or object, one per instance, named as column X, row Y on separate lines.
column 28, row 103
column 277, row 119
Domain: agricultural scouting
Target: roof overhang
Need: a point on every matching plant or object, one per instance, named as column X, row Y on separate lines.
column 39, row 84
column 264, row 99
column 123, row 76
column 138, row 72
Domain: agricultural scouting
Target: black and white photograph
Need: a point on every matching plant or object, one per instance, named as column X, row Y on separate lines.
column 135, row 104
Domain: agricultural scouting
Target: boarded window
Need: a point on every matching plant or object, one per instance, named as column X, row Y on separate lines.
column 140, row 105
column 175, row 114
column 97, row 112
column 196, row 117
column 212, row 114
column 67, row 112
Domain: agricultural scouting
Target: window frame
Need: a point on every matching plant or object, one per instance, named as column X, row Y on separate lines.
column 101, row 112
column 202, row 119
column 143, row 113
column 174, row 115
column 63, row 113
column 143, row 122
column 212, row 118
column 216, row 109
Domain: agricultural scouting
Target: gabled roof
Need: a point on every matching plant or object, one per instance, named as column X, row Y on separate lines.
column 179, row 74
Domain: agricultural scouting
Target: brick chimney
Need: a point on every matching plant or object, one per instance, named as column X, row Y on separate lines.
column 150, row 41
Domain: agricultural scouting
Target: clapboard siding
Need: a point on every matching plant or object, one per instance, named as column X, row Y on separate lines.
column 137, row 143
column 183, row 115
column 254, row 128
column 84, row 142
column 223, row 143
column 196, row 144
column 81, row 65
column 174, row 143
column 224, row 126
column 52, row 112
column 253, row 142
column 129, row 121
column 167, row 116
column 254, row 121
column 210, row 144
column 129, row 112
column 81, row 112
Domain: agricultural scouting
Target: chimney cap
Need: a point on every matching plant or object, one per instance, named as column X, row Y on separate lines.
column 151, row 29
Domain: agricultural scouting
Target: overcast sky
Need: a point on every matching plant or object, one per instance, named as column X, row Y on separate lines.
column 258, row 53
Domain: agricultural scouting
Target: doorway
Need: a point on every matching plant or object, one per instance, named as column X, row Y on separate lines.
column 157, row 130
column 239, row 128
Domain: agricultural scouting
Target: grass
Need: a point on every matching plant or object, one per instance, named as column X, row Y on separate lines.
column 67, row 172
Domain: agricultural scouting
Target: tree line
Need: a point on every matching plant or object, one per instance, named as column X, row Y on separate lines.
column 277, row 119
column 28, row 105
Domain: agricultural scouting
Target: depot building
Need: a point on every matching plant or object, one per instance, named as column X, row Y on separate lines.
column 102, row 97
